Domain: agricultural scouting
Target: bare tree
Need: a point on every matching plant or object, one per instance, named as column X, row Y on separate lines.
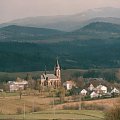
column 113, row 113
column 20, row 92
column 62, row 94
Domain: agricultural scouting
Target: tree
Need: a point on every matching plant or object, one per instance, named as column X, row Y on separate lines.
column 37, row 85
column 20, row 92
column 80, row 82
column 31, row 84
column 6, row 87
column 28, row 77
column 113, row 113
column 62, row 94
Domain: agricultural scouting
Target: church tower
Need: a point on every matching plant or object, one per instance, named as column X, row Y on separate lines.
column 57, row 70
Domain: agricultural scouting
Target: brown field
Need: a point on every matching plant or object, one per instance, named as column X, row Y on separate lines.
column 106, row 102
column 10, row 105
column 101, row 102
column 14, row 105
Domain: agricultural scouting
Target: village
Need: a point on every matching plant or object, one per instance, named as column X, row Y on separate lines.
column 96, row 88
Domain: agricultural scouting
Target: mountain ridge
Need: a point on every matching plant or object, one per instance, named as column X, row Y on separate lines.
column 102, row 27
column 32, row 34
column 15, row 32
column 69, row 22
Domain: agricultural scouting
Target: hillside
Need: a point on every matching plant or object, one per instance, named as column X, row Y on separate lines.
column 16, row 33
column 25, row 49
column 102, row 27
column 95, row 30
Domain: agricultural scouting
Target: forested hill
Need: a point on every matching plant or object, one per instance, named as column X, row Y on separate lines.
column 29, row 30
column 97, row 45
column 21, row 33
column 102, row 27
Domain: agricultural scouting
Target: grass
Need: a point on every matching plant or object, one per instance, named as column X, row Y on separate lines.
column 13, row 101
column 10, row 104
column 59, row 114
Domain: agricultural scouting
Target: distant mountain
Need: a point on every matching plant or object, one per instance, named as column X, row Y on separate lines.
column 101, row 27
column 70, row 22
column 30, row 30
column 95, row 30
column 16, row 33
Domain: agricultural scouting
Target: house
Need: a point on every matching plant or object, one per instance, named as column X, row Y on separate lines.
column 101, row 89
column 83, row 92
column 68, row 84
column 115, row 91
column 52, row 80
column 94, row 94
column 18, row 84
column 91, row 87
column 1, row 90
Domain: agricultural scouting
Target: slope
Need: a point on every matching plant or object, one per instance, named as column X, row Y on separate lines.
column 16, row 33
column 94, row 46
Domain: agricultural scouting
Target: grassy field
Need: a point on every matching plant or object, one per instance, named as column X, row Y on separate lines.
column 59, row 114
column 12, row 107
column 12, row 100
column 38, row 107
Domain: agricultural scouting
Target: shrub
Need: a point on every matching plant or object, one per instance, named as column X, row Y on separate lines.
column 92, row 107
column 71, row 107
column 36, row 109
column 19, row 110
column 113, row 114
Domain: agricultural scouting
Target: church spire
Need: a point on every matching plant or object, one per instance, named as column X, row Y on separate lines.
column 57, row 63
column 57, row 69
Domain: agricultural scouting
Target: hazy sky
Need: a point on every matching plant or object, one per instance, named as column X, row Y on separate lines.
column 13, row 9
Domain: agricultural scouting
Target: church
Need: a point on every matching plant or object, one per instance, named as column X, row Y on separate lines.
column 52, row 80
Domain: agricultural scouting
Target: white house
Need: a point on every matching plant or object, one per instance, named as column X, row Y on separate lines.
column 94, row 94
column 1, row 90
column 91, row 87
column 83, row 92
column 14, row 86
column 115, row 91
column 101, row 89
column 68, row 85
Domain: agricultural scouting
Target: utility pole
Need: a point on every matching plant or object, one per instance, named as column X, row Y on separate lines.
column 24, row 111
column 53, row 105
column 79, row 101
column 33, row 105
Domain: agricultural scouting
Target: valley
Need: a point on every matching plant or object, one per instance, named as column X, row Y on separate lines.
column 59, row 61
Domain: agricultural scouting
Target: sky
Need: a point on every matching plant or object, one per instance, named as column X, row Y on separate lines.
column 15, row 9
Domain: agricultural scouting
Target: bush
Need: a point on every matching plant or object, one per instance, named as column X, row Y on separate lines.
column 19, row 110
column 113, row 114
column 92, row 107
column 71, row 107
column 36, row 109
